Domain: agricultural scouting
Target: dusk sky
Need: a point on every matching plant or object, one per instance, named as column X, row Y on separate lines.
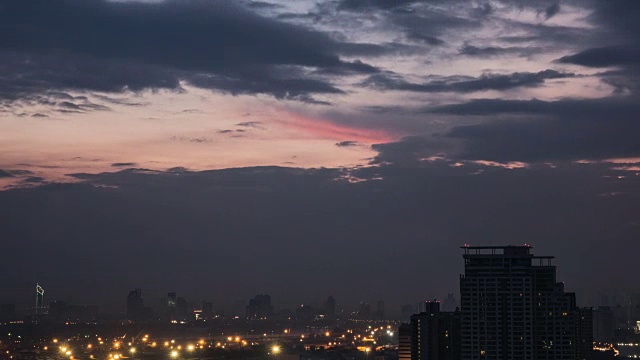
column 302, row 149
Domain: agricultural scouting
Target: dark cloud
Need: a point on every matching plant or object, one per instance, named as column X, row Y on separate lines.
column 605, row 56
column 491, row 51
column 251, row 124
column 5, row 174
column 37, row 77
column 429, row 26
column 347, row 143
column 34, row 180
column 551, row 11
column 124, row 164
column 537, row 130
column 352, row 5
column 483, row 10
column 466, row 84
column 263, row 5
column 144, row 45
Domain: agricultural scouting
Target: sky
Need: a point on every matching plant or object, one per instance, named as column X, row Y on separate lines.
column 306, row 148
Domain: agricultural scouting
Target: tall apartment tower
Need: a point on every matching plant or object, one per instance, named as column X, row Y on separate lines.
column 513, row 308
column 404, row 342
column 435, row 335
column 135, row 305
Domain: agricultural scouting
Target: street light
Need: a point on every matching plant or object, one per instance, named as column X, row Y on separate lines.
column 276, row 349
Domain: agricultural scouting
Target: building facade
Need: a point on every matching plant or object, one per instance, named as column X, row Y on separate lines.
column 514, row 308
column 435, row 335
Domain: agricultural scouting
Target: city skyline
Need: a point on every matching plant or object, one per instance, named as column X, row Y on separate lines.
column 156, row 301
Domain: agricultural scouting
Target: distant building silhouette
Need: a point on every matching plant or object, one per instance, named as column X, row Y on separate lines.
column 135, row 305
column 364, row 311
column 514, row 308
column 330, row 306
column 7, row 312
column 450, row 303
column 604, row 324
column 379, row 310
column 207, row 310
column 60, row 311
column 171, row 305
column 406, row 311
column 39, row 300
column 259, row 307
column 182, row 309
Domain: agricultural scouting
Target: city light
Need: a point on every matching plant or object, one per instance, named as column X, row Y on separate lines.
column 174, row 354
column 190, row 347
column 275, row 349
column 132, row 350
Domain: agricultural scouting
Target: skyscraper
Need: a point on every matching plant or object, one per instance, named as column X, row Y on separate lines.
column 171, row 305
column 135, row 305
column 259, row 307
column 330, row 306
column 513, row 307
column 404, row 342
column 450, row 303
column 435, row 335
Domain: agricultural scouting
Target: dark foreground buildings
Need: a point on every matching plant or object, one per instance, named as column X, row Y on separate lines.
column 431, row 334
column 514, row 308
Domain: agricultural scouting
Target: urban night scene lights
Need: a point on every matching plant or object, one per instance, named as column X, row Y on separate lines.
column 319, row 179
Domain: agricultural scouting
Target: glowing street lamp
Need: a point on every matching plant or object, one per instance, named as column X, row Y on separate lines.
column 174, row 354
column 276, row 349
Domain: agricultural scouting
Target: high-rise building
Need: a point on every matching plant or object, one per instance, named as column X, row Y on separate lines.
column 435, row 335
column 7, row 312
column 39, row 300
column 171, row 305
column 182, row 309
column 135, row 305
column 404, row 342
column 330, row 306
column 60, row 311
column 406, row 311
column 259, row 307
column 513, row 307
column 584, row 333
column 379, row 310
column 207, row 310
column 450, row 303
column 604, row 324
